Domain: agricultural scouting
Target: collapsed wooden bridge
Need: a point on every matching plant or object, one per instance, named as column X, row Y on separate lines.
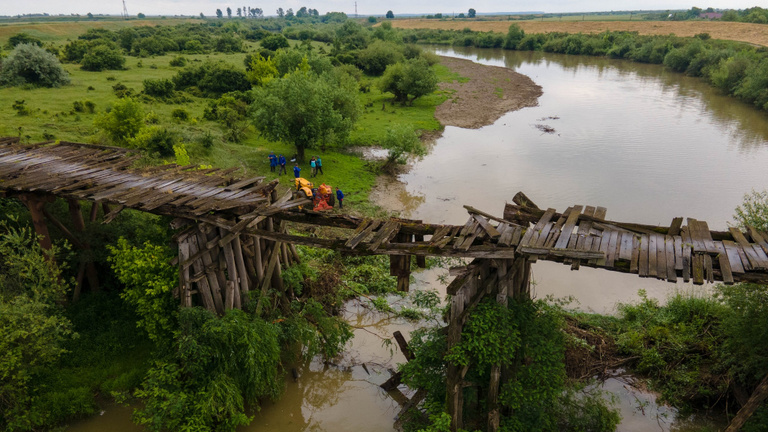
column 233, row 237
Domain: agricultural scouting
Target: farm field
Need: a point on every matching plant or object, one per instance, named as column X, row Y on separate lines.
column 756, row 34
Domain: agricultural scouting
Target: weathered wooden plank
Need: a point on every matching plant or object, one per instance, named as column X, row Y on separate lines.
column 725, row 265
column 670, row 245
column 625, row 252
column 708, row 242
column 697, row 240
column 385, row 234
column 698, row 268
column 443, row 242
column 600, row 212
column 439, row 234
column 678, row 252
column 661, row 256
column 653, row 269
column 545, row 218
column 687, row 250
column 516, row 236
column 708, row 269
column 674, row 227
column 761, row 257
column 361, row 234
column 611, row 253
column 634, row 264
column 566, row 253
column 492, row 232
column 538, row 240
column 733, row 257
column 758, row 238
column 570, row 223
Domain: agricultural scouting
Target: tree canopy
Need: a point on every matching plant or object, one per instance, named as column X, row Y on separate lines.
column 306, row 109
column 30, row 64
column 409, row 80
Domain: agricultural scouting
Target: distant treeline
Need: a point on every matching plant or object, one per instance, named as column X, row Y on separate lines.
column 737, row 69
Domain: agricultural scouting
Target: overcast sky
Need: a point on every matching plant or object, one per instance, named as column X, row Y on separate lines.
column 364, row 7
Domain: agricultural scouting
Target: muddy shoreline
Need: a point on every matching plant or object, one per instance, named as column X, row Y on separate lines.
column 491, row 92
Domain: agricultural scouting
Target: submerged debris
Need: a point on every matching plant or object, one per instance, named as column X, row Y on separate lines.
column 549, row 118
column 545, row 128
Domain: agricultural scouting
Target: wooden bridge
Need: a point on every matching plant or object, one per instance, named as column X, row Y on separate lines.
column 233, row 239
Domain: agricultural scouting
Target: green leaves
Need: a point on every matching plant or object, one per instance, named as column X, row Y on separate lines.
column 149, row 281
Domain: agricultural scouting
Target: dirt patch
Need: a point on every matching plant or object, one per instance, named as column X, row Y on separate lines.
column 490, row 93
column 744, row 32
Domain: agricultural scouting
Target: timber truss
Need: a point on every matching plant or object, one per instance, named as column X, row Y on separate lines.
column 233, row 238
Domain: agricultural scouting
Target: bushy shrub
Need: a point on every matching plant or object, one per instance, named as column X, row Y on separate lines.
column 409, row 80
column 229, row 44
column 274, row 42
column 23, row 38
column 212, row 78
column 30, row 64
column 102, row 57
column 161, row 87
column 377, row 56
column 180, row 114
column 123, row 121
column 178, row 61
column 155, row 139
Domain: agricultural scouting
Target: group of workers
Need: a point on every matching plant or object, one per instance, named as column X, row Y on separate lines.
column 316, row 165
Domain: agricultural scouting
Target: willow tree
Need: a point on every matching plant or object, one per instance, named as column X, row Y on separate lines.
column 306, row 109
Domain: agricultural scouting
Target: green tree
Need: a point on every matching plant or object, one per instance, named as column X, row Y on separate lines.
column 229, row 12
column 219, row 14
column 23, row 38
column 102, row 57
column 123, row 121
column 306, row 109
column 274, row 42
column 471, row 13
column 401, row 142
column 32, row 328
column 409, row 80
column 390, row 15
column 30, row 64
column 377, row 56
column 140, row 16
column 261, row 70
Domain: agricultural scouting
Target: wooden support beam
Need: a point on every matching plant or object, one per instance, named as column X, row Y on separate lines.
column 36, row 204
column 758, row 396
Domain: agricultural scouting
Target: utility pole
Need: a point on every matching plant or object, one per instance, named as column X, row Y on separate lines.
column 125, row 11
column 355, row 9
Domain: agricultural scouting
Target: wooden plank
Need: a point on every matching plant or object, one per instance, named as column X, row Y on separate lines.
column 678, row 253
column 625, row 252
column 661, row 256
column 708, row 270
column 611, row 253
column 443, row 242
column 725, row 265
column 698, row 268
column 687, row 249
column 762, row 258
column 600, row 213
column 466, row 231
column 385, row 234
column 516, row 236
column 653, row 269
column 733, row 257
column 709, row 244
column 542, row 237
column 360, row 235
column 570, row 223
column 696, row 239
column 439, row 234
column 670, row 244
column 545, row 218
column 634, row 263
column 674, row 227
column 492, row 232
column 758, row 238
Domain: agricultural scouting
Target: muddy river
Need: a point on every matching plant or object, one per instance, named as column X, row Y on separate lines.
column 646, row 143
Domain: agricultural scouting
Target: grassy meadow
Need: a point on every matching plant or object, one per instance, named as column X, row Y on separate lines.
column 52, row 114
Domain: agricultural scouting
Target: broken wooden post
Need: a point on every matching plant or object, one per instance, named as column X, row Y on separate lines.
column 76, row 214
column 758, row 396
column 35, row 204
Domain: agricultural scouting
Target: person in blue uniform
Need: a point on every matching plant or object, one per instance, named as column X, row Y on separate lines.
column 281, row 160
column 297, row 171
column 340, row 197
column 272, row 161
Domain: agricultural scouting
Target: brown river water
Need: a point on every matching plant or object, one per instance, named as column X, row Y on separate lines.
column 646, row 143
